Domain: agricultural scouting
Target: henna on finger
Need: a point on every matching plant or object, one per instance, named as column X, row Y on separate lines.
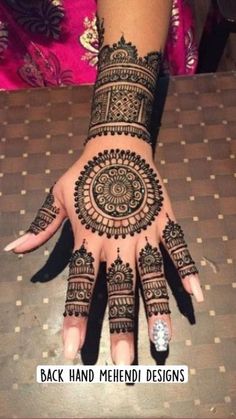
column 153, row 282
column 45, row 215
column 117, row 194
column 80, row 283
column 120, row 280
column 155, row 293
column 174, row 239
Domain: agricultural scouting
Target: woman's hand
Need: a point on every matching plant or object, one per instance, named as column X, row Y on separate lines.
column 120, row 212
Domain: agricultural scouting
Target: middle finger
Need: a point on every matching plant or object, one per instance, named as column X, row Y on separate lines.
column 121, row 281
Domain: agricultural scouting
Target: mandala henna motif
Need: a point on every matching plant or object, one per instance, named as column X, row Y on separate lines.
column 117, row 194
column 153, row 282
column 124, row 90
column 121, row 296
column 80, row 283
column 175, row 243
column 45, row 216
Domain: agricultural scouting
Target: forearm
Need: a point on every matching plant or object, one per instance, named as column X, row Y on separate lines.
column 132, row 38
column 144, row 23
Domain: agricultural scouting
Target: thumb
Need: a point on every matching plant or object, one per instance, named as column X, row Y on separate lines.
column 47, row 221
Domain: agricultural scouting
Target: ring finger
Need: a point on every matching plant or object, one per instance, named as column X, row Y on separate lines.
column 150, row 265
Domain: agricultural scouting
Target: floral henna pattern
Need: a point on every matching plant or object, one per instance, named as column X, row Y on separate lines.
column 80, row 283
column 175, row 243
column 121, row 296
column 45, row 216
column 117, row 194
column 124, row 90
column 153, row 282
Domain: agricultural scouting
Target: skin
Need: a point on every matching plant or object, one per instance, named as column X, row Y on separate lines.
column 145, row 24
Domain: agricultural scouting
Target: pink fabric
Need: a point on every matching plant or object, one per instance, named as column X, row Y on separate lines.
column 181, row 49
column 36, row 60
column 35, row 53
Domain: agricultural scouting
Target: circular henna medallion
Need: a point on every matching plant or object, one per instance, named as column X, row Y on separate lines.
column 118, row 191
column 117, row 194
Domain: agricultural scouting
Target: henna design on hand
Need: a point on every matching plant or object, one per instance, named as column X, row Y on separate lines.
column 121, row 296
column 80, row 283
column 117, row 194
column 45, row 216
column 150, row 260
column 153, row 282
column 124, row 90
column 175, row 243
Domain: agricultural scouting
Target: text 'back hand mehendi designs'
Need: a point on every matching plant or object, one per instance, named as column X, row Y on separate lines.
column 117, row 194
column 80, row 283
column 176, row 245
column 124, row 90
column 153, row 282
column 121, row 296
column 45, row 216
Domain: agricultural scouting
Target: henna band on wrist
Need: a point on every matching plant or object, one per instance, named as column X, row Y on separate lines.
column 124, row 91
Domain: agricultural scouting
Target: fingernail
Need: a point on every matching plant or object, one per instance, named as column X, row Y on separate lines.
column 71, row 342
column 16, row 243
column 196, row 289
column 160, row 335
column 121, row 355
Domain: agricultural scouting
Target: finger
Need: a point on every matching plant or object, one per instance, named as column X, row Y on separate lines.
column 150, row 265
column 48, row 219
column 174, row 241
column 192, row 283
column 17, row 242
column 121, row 289
column 83, row 269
